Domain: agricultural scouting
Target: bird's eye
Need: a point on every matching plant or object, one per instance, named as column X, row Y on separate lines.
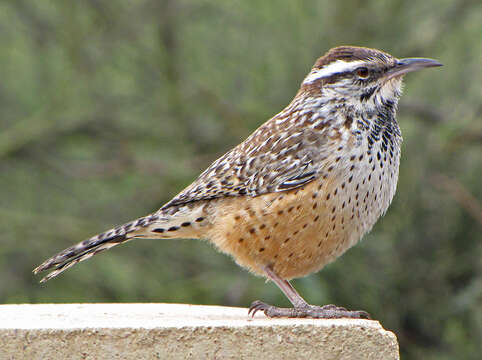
column 362, row 72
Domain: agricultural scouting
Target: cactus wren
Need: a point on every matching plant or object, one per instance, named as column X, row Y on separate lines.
column 298, row 192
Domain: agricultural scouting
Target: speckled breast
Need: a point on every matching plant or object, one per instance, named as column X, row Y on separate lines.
column 299, row 231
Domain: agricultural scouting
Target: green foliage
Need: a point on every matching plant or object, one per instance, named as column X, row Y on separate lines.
column 108, row 109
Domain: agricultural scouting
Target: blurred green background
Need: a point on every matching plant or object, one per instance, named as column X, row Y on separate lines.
column 109, row 108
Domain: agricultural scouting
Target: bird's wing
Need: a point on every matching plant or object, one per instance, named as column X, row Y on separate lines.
column 276, row 157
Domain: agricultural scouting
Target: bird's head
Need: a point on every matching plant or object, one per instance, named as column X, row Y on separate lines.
column 359, row 76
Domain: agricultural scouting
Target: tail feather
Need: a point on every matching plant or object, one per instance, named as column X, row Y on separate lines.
column 76, row 259
column 90, row 247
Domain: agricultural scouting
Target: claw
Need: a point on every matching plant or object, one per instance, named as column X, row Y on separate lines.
column 309, row 311
column 255, row 307
column 363, row 314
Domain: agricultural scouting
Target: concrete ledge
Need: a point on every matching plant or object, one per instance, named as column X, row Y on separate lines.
column 174, row 331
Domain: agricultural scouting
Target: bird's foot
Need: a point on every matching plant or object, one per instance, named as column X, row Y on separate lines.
column 307, row 311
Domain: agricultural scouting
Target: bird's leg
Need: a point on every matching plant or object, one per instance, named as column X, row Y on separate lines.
column 301, row 309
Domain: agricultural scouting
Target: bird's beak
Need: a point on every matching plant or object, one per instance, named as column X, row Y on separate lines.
column 404, row 66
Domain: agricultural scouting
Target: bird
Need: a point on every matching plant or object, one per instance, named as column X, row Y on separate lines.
column 301, row 190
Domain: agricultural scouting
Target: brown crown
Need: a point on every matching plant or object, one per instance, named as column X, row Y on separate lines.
column 351, row 53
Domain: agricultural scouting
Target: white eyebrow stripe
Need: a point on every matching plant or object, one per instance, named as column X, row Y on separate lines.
column 336, row 67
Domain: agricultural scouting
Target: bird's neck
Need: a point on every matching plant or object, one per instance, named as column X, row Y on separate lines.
column 380, row 124
column 373, row 118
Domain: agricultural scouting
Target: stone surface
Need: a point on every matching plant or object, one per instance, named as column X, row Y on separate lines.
column 175, row 331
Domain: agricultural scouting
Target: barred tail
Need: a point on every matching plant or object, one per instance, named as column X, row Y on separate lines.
column 90, row 247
